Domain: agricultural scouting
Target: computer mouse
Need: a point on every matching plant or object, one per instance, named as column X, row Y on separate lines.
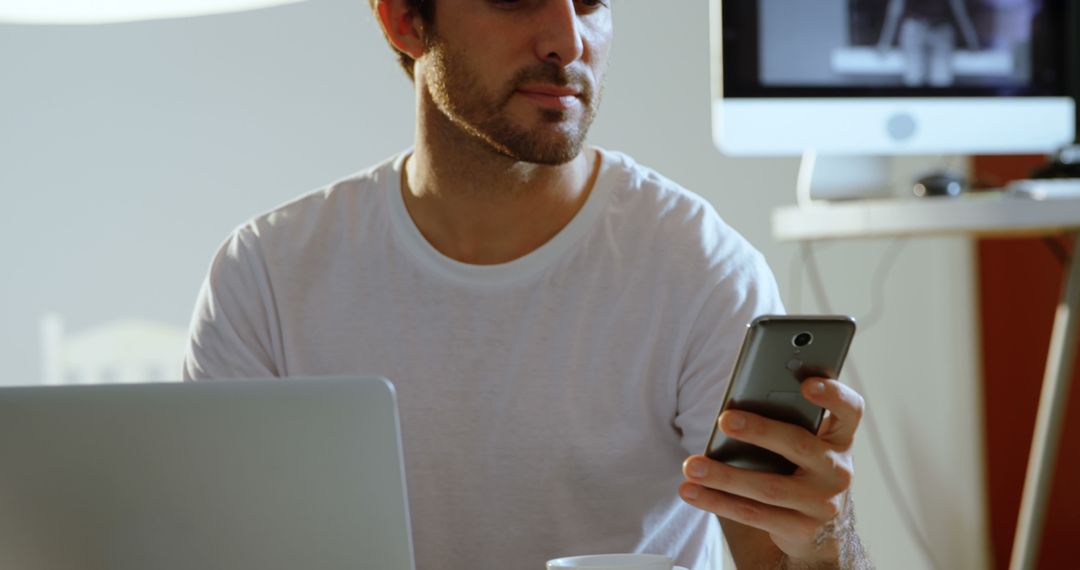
column 939, row 184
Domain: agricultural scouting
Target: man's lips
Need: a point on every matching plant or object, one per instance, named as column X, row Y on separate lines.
column 550, row 90
column 551, row 96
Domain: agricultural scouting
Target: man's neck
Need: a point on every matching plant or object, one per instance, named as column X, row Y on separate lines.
column 478, row 206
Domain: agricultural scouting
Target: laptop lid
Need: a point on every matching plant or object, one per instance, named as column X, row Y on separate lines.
column 247, row 474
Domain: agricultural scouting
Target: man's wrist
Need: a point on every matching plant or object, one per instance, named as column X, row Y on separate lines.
column 840, row 535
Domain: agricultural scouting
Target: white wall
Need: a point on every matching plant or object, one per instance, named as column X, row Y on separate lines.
column 128, row 152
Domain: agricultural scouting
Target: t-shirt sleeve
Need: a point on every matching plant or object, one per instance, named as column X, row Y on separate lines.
column 232, row 329
column 716, row 335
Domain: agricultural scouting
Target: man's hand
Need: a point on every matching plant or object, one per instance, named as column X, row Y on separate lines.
column 806, row 514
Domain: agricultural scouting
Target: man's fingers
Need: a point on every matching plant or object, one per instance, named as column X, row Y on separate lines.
column 800, row 494
column 845, row 406
column 773, row 520
column 793, row 442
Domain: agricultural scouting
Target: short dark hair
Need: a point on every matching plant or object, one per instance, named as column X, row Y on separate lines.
column 426, row 9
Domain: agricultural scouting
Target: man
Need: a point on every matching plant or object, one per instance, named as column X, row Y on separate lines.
column 559, row 321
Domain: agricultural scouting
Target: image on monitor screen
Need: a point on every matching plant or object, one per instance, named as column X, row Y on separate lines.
column 992, row 44
column 894, row 76
column 940, row 43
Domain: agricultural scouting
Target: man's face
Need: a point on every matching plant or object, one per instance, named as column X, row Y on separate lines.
column 523, row 76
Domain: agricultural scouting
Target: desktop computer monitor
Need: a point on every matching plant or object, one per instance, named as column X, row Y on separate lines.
column 893, row 77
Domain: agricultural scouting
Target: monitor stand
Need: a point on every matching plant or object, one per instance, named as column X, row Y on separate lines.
column 832, row 177
column 828, row 178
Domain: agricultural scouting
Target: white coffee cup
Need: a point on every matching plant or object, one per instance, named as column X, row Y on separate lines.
column 612, row 562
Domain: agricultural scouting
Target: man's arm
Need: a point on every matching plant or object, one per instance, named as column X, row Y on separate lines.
column 805, row 520
column 750, row 547
column 232, row 331
column 753, row 548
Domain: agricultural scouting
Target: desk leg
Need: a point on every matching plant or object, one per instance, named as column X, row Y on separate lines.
column 1048, row 422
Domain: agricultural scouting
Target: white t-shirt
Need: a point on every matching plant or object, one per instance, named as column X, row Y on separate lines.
column 547, row 404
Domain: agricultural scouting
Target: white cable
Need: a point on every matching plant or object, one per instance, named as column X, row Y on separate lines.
column 806, row 174
column 877, row 290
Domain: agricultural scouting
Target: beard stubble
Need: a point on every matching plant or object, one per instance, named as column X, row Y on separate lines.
column 458, row 95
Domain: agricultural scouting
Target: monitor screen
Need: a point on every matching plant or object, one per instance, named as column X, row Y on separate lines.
column 892, row 76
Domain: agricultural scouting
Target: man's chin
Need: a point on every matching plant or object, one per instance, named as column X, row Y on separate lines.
column 551, row 138
column 546, row 156
column 552, row 150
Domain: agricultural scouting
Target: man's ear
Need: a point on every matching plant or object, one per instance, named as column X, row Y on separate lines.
column 402, row 26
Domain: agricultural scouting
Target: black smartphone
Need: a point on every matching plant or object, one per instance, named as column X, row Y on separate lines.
column 777, row 354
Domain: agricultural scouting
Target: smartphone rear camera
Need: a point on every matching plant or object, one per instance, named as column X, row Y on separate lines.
column 802, row 339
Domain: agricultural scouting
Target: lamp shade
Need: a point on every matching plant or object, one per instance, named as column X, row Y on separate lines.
column 75, row 12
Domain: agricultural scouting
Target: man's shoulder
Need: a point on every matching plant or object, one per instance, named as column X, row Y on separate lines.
column 649, row 185
column 326, row 210
column 359, row 189
column 680, row 220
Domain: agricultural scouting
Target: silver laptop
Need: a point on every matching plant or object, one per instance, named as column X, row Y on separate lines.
column 250, row 474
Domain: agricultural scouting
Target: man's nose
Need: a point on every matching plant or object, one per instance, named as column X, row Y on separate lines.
column 559, row 40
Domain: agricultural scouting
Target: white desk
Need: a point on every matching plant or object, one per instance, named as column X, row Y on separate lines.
column 983, row 214
column 977, row 214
